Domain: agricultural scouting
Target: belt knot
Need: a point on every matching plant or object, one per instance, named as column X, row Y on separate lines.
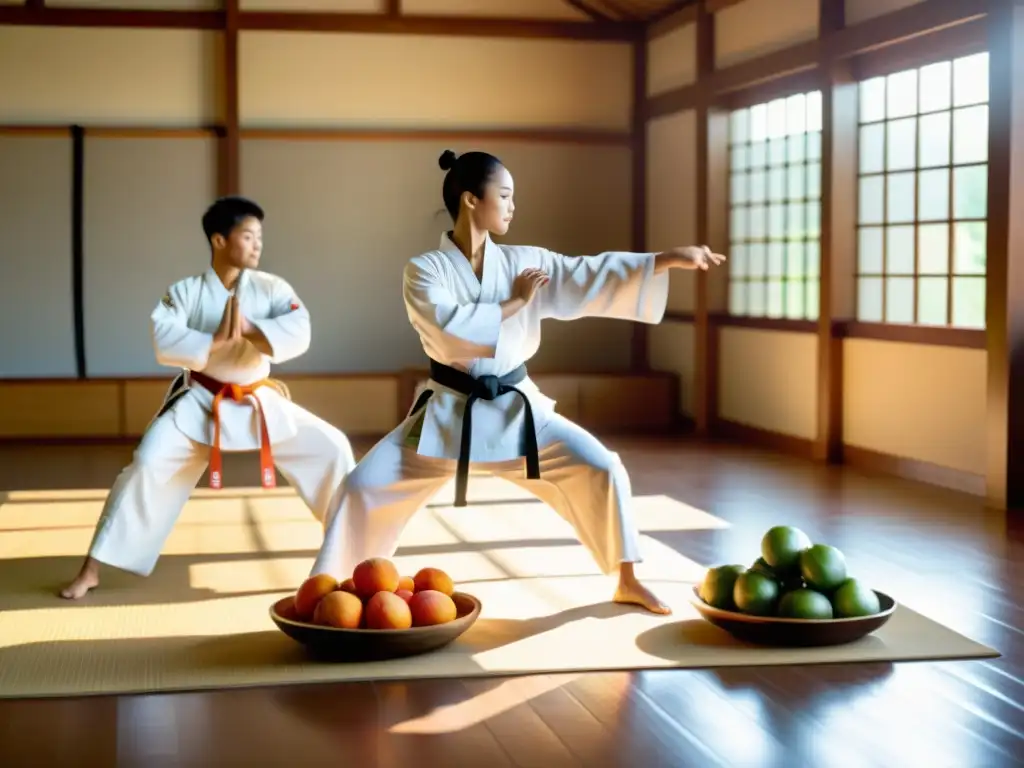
column 487, row 387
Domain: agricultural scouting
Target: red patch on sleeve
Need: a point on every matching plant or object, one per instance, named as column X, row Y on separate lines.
column 294, row 306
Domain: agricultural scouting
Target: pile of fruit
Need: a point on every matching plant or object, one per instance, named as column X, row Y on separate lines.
column 376, row 597
column 794, row 578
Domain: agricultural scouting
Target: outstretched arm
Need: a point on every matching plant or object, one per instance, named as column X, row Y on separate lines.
column 616, row 284
column 286, row 334
column 176, row 345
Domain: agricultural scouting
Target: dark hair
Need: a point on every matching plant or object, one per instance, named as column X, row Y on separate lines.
column 468, row 172
column 226, row 213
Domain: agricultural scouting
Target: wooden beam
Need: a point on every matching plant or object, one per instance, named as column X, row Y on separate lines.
column 899, row 26
column 24, row 15
column 229, row 176
column 639, row 345
column 714, row 6
column 1004, row 477
column 708, row 220
column 454, row 135
column 381, row 23
column 838, row 235
column 924, row 335
column 462, row 26
column 394, row 8
column 78, row 247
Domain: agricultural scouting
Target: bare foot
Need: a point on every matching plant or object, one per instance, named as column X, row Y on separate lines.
column 88, row 578
column 632, row 592
column 637, row 594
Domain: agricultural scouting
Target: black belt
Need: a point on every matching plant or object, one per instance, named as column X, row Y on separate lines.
column 485, row 387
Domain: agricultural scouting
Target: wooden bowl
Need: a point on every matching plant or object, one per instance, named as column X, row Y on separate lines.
column 798, row 633
column 374, row 644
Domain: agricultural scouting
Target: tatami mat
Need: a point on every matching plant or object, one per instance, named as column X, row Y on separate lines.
column 201, row 620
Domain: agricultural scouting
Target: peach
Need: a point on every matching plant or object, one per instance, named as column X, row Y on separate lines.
column 434, row 579
column 405, row 594
column 386, row 610
column 430, row 607
column 339, row 609
column 310, row 592
column 407, row 584
column 378, row 574
column 348, row 586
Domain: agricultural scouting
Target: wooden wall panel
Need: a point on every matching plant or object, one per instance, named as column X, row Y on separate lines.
column 37, row 336
column 916, row 402
column 672, row 195
column 309, row 79
column 767, row 380
column 754, row 28
column 360, row 405
column 128, row 77
column 859, row 11
column 672, row 59
column 143, row 203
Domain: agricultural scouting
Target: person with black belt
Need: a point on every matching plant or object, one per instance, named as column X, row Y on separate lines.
column 477, row 307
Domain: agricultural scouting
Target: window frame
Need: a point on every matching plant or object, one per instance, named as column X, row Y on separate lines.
column 802, row 84
column 882, row 67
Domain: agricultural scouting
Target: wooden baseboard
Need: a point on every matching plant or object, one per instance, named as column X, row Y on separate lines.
column 854, row 456
column 92, row 411
column 914, row 469
column 791, row 445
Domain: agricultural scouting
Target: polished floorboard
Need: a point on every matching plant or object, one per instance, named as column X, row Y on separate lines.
column 942, row 553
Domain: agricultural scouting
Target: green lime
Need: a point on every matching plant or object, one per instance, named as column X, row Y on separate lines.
column 781, row 547
column 756, row 594
column 805, row 604
column 716, row 589
column 823, row 567
column 762, row 567
column 855, row 598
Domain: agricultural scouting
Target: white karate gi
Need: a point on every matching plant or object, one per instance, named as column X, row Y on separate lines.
column 458, row 319
column 149, row 494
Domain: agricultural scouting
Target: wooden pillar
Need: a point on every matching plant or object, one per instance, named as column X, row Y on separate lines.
column 1005, row 273
column 708, row 129
column 839, row 143
column 228, row 172
column 638, row 347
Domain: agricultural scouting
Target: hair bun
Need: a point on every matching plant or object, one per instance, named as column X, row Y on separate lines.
column 447, row 160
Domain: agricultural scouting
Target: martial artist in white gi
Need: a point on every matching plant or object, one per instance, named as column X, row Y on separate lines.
column 477, row 307
column 224, row 328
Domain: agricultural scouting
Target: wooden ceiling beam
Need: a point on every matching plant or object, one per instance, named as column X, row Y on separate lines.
column 39, row 16
column 582, row 7
column 460, row 26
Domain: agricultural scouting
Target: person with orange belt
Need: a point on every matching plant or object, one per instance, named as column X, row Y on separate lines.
column 225, row 328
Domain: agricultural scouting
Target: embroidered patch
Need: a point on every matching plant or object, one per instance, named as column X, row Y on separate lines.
column 294, row 306
column 167, row 301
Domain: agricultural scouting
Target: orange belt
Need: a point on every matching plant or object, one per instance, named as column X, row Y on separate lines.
column 237, row 393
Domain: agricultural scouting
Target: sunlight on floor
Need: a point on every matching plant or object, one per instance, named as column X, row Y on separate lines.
column 481, row 707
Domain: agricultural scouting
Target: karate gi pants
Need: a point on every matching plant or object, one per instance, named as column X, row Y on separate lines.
column 580, row 479
column 146, row 499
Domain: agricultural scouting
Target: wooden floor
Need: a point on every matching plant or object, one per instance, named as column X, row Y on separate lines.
column 942, row 553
